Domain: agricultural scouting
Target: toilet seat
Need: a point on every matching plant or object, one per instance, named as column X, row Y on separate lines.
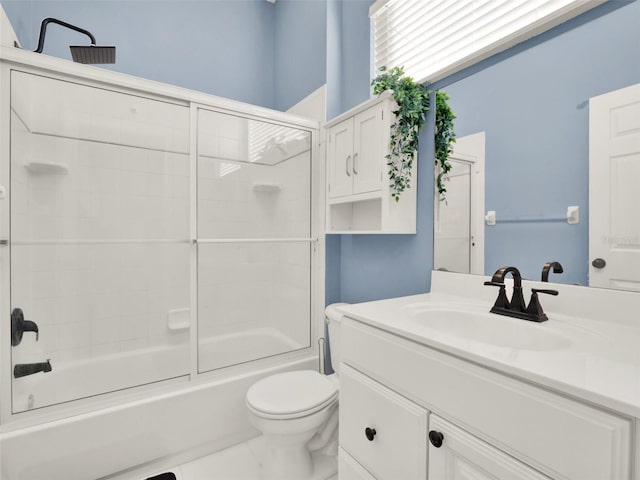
column 291, row 395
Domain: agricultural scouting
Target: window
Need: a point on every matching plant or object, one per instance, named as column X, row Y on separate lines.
column 435, row 38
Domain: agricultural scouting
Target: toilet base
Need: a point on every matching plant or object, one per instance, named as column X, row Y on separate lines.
column 286, row 463
column 324, row 466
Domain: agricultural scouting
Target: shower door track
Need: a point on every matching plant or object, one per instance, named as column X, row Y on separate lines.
column 254, row 240
column 101, row 241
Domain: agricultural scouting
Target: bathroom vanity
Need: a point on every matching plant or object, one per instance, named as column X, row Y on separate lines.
column 434, row 386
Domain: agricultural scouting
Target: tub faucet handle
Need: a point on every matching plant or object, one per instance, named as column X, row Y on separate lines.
column 19, row 325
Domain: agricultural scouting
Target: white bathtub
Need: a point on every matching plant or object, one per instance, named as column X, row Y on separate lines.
column 238, row 347
column 191, row 419
column 108, row 373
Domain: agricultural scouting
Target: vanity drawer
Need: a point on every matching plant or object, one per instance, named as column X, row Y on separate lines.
column 560, row 437
column 398, row 448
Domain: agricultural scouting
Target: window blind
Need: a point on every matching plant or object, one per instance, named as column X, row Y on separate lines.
column 435, row 38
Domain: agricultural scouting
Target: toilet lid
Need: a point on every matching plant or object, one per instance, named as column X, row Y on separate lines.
column 291, row 392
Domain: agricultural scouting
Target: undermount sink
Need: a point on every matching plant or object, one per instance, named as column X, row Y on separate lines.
column 488, row 328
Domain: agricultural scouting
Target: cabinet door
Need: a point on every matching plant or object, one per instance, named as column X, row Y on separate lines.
column 383, row 431
column 462, row 456
column 341, row 159
column 349, row 469
column 369, row 150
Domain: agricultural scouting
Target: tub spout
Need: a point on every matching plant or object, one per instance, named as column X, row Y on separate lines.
column 24, row 369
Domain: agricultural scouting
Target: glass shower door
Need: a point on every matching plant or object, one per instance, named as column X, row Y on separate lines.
column 254, row 245
column 99, row 240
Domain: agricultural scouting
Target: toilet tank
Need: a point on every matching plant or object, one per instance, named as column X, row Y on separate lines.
column 334, row 320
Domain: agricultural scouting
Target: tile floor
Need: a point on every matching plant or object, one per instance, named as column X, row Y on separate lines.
column 242, row 462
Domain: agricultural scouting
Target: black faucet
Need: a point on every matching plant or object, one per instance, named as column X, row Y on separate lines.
column 516, row 306
column 517, row 300
column 24, row 369
column 557, row 268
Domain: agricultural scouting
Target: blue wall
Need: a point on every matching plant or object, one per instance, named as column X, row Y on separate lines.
column 300, row 50
column 248, row 50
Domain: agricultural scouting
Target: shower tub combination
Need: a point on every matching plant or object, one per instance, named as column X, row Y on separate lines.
column 164, row 245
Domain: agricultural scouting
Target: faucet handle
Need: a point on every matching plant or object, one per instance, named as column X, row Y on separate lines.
column 534, row 310
column 502, row 301
column 19, row 325
column 545, row 291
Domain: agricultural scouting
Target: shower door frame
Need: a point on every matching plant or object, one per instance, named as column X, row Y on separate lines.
column 15, row 59
column 316, row 225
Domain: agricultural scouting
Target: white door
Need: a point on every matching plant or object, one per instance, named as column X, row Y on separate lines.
column 461, row 456
column 452, row 229
column 458, row 220
column 614, row 189
column 341, row 159
column 369, row 147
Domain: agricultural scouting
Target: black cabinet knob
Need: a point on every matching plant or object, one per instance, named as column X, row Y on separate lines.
column 599, row 263
column 436, row 438
column 370, row 433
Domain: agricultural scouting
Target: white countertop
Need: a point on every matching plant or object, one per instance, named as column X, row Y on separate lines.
column 595, row 355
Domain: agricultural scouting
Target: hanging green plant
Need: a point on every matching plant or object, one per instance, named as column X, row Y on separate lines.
column 413, row 104
column 445, row 137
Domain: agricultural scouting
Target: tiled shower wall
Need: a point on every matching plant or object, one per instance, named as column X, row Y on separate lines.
column 255, row 285
column 90, row 294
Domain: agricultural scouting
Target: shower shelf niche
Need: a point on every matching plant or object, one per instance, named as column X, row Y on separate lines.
column 47, row 168
column 266, row 187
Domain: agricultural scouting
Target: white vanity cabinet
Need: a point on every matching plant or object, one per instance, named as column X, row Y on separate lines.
column 358, row 194
column 493, row 426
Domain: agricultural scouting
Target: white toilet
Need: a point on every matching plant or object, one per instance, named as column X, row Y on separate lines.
column 297, row 412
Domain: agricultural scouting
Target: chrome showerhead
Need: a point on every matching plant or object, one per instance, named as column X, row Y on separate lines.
column 93, row 54
column 82, row 54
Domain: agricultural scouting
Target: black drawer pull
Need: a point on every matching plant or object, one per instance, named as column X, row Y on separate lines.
column 370, row 433
column 436, row 438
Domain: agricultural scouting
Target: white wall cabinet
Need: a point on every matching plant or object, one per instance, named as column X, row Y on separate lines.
column 493, row 426
column 358, row 194
column 357, row 151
